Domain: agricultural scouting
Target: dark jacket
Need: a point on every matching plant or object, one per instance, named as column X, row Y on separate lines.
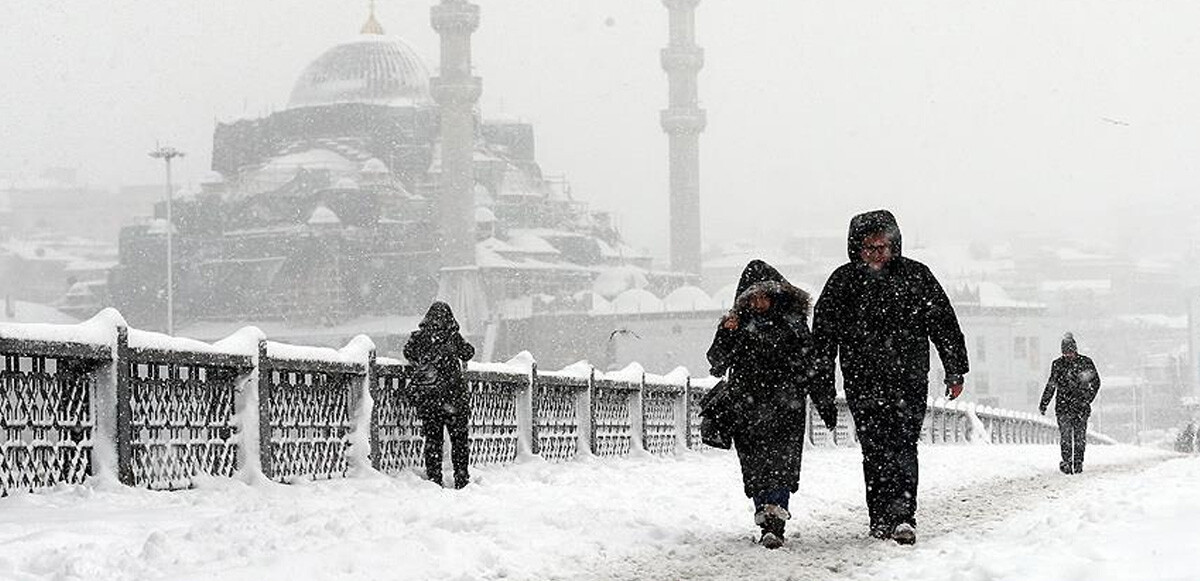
column 880, row 323
column 1075, row 381
column 438, row 343
column 769, row 360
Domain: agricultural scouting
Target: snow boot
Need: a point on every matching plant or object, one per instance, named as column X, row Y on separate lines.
column 904, row 534
column 771, row 540
column 772, row 519
column 880, row 531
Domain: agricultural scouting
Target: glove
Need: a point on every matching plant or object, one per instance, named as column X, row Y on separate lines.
column 954, row 386
column 829, row 416
column 1042, row 409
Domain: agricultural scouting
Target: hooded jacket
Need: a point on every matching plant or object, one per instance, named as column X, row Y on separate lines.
column 438, row 343
column 1075, row 381
column 769, row 360
column 880, row 323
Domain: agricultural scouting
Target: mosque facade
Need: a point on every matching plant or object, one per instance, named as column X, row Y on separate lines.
column 336, row 207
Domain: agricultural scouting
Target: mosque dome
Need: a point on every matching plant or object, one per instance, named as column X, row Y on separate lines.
column 372, row 68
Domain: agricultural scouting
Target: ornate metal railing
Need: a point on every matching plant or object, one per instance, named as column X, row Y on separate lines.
column 177, row 414
column 169, row 411
column 47, row 411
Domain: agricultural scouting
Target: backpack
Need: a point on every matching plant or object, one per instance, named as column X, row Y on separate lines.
column 424, row 385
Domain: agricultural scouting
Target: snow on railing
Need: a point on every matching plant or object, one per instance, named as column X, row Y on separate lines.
column 99, row 400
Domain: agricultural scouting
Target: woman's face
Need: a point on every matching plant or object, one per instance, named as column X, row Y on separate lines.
column 760, row 302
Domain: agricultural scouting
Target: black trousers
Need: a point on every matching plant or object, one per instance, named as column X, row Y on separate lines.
column 432, row 429
column 888, row 435
column 1072, row 429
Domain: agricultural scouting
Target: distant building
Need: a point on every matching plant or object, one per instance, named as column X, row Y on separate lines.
column 327, row 212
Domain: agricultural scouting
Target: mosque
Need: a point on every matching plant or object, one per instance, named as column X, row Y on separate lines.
column 380, row 188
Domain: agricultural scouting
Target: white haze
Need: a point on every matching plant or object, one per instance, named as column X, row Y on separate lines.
column 970, row 119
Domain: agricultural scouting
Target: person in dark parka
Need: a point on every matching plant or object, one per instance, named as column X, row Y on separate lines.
column 765, row 345
column 1074, row 379
column 877, row 315
column 438, row 346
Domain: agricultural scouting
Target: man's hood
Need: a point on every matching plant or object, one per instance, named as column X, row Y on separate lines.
column 869, row 223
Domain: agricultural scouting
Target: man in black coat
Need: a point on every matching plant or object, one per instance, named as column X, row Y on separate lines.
column 765, row 345
column 1073, row 377
column 877, row 314
column 439, row 391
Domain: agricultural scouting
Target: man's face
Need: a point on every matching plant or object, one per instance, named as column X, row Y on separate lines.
column 1070, row 354
column 876, row 251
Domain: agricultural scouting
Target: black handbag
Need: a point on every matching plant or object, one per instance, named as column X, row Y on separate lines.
column 717, row 416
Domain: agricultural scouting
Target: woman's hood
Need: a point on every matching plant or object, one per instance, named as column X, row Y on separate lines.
column 439, row 317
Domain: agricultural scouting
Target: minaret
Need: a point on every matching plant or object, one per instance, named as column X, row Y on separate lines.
column 372, row 26
column 456, row 91
column 683, row 121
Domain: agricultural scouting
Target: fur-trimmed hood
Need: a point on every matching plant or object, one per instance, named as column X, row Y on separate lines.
column 785, row 298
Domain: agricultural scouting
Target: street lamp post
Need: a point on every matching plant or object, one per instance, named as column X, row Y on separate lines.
column 167, row 153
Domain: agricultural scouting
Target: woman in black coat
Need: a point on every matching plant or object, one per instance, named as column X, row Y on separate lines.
column 438, row 390
column 764, row 343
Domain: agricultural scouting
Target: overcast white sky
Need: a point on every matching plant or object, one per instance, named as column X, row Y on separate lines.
column 967, row 118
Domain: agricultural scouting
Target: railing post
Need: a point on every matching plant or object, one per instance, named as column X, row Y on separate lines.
column 124, row 433
column 683, row 429
column 371, row 391
column 637, row 418
column 591, row 403
column 264, row 412
column 535, row 445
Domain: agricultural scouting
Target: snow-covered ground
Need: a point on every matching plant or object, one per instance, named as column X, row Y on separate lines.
column 986, row 513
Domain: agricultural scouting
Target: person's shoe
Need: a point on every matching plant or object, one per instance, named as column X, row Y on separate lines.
column 904, row 534
column 881, row 531
column 1065, row 468
column 771, row 540
column 1078, row 469
column 461, row 482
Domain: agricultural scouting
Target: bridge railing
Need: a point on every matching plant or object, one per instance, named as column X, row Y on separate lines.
column 100, row 400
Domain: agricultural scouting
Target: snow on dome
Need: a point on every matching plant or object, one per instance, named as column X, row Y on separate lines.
column 689, row 298
column 373, row 69
column 637, row 300
column 346, row 184
column 322, row 216
column 484, row 215
column 613, row 281
column 374, row 166
column 531, row 243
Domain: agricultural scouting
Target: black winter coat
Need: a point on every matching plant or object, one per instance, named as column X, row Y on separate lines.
column 880, row 323
column 438, row 342
column 769, row 360
column 1075, row 381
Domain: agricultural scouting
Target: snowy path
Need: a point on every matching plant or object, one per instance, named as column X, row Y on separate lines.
column 987, row 512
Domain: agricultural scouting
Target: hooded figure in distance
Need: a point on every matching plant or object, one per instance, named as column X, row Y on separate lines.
column 766, row 347
column 1075, row 382
column 877, row 315
column 438, row 390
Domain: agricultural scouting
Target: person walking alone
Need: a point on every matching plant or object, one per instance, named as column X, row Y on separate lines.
column 765, row 345
column 1075, row 382
column 877, row 315
column 438, row 390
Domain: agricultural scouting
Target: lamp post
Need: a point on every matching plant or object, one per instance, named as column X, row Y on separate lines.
column 167, row 153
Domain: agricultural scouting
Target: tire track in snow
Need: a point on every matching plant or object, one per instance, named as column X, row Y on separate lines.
column 835, row 544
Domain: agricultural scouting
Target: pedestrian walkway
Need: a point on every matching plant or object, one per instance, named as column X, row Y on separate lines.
column 992, row 512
